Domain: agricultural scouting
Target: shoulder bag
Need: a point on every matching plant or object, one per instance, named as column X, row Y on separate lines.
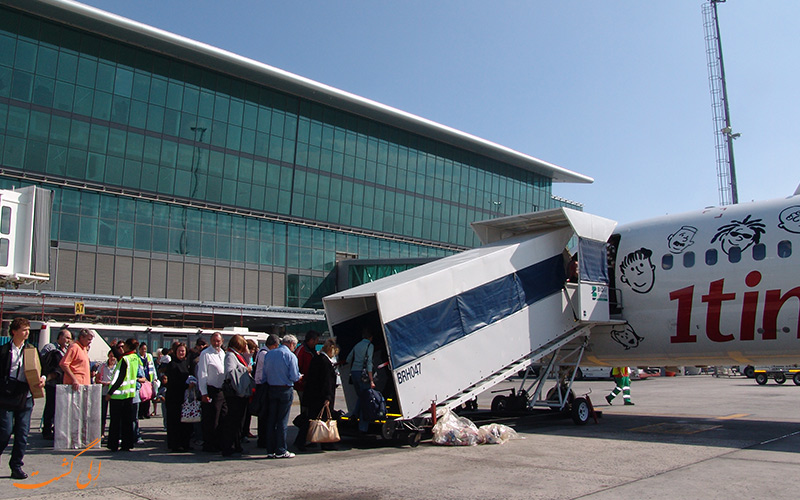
column 322, row 431
column 146, row 391
column 364, row 372
column 13, row 393
column 190, row 410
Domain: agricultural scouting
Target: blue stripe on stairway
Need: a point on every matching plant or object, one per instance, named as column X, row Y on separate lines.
column 425, row 330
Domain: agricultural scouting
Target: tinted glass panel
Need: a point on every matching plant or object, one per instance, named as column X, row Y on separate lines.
column 734, row 254
column 759, row 251
column 711, row 257
column 784, row 249
column 5, row 220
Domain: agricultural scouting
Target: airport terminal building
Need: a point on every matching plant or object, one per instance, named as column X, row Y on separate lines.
column 193, row 186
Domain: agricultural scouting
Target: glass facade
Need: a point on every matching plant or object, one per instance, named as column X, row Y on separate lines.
column 154, row 155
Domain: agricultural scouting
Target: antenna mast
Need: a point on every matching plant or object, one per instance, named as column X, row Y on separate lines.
column 723, row 134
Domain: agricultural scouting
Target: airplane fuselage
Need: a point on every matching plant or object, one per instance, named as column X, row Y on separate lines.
column 717, row 286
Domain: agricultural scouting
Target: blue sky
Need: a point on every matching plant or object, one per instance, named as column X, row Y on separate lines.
column 614, row 90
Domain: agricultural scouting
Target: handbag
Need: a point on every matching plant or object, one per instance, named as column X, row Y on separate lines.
column 146, row 392
column 190, row 410
column 321, row 431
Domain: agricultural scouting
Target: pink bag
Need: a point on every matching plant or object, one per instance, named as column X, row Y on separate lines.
column 146, row 392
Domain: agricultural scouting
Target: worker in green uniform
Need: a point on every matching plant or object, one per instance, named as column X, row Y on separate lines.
column 622, row 377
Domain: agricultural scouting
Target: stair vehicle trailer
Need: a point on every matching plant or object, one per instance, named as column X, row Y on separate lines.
column 456, row 327
column 777, row 373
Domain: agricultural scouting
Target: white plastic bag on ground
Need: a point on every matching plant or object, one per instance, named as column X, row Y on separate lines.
column 452, row 430
column 78, row 418
column 495, row 434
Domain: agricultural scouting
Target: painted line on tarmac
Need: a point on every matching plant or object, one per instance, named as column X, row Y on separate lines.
column 684, row 415
column 734, row 416
column 779, row 438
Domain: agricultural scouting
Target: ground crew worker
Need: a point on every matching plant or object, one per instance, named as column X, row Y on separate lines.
column 622, row 376
column 120, row 396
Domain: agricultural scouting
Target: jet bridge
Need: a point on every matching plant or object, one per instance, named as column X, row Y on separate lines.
column 455, row 327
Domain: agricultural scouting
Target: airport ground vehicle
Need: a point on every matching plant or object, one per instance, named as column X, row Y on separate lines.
column 778, row 373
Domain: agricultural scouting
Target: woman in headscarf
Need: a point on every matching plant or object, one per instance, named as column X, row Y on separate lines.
column 179, row 379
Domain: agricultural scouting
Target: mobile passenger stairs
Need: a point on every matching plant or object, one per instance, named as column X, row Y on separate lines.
column 456, row 327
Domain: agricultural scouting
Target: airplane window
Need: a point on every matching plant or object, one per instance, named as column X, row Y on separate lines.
column 784, row 249
column 759, row 251
column 734, row 255
column 688, row 259
column 666, row 261
column 711, row 257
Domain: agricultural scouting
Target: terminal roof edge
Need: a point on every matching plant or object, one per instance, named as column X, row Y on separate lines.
column 141, row 35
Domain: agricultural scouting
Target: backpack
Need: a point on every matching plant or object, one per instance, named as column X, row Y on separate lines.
column 50, row 364
column 374, row 405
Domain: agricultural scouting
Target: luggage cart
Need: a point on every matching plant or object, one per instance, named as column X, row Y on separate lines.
column 778, row 373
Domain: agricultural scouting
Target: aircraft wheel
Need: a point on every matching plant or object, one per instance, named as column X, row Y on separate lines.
column 796, row 378
column 499, row 403
column 761, row 378
column 780, row 378
column 580, row 411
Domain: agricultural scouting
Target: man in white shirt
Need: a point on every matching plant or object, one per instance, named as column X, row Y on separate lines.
column 210, row 375
column 16, row 403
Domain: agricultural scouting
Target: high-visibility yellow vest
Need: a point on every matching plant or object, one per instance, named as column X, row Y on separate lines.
column 151, row 367
column 127, row 389
column 620, row 371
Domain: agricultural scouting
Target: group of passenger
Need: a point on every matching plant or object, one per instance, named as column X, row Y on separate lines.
column 242, row 381
column 233, row 384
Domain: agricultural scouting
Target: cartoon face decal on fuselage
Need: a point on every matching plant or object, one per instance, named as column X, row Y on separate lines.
column 790, row 219
column 626, row 337
column 637, row 271
column 681, row 239
column 740, row 234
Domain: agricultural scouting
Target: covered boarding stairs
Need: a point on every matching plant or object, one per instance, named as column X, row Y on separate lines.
column 454, row 328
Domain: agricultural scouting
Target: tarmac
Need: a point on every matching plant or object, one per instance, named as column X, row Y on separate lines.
column 686, row 437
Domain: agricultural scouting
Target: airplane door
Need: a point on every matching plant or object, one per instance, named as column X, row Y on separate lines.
column 593, row 285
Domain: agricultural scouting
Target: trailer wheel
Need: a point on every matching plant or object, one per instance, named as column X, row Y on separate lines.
column 387, row 429
column 749, row 371
column 780, row 378
column 580, row 411
column 413, row 439
column 761, row 378
column 796, row 378
column 499, row 403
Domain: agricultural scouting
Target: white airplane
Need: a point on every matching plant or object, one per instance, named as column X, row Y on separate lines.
column 715, row 286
